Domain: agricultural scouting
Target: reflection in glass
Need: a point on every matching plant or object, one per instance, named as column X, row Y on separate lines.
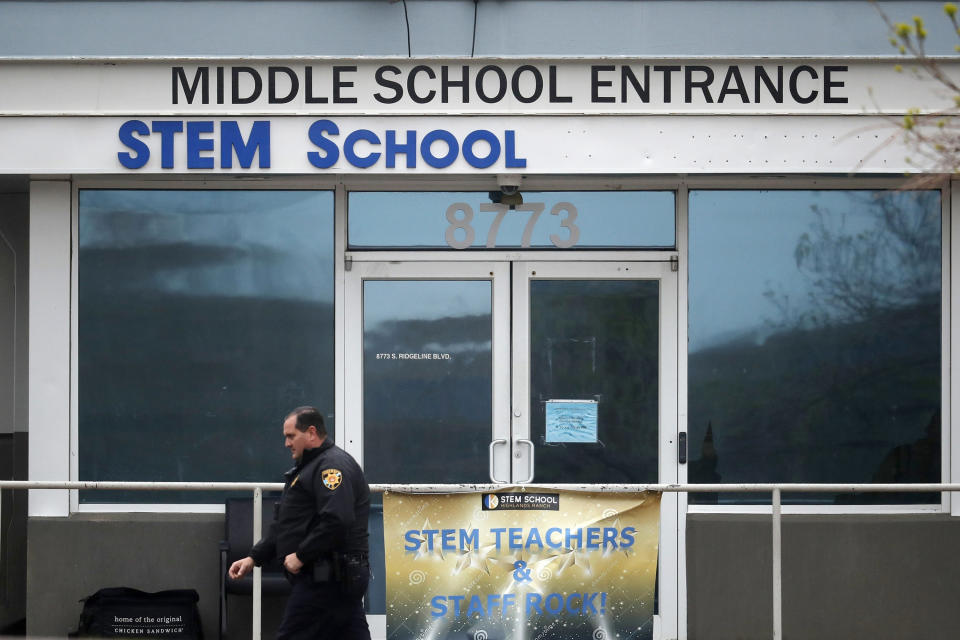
column 593, row 219
column 814, row 331
column 596, row 340
column 427, row 390
column 427, row 380
column 204, row 316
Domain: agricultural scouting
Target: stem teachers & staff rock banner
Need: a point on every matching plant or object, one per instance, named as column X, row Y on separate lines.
column 521, row 565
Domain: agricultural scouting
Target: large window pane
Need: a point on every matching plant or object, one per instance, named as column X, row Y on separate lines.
column 204, row 316
column 814, row 327
column 543, row 220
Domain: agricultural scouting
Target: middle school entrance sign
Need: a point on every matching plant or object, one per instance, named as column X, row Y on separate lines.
column 521, row 564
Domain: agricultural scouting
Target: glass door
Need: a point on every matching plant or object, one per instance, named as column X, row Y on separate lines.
column 428, row 351
column 594, row 395
column 594, row 351
column 457, row 374
column 542, row 372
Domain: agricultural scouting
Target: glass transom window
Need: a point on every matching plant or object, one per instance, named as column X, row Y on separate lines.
column 498, row 220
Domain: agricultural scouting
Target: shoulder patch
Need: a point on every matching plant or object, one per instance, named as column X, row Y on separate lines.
column 331, row 478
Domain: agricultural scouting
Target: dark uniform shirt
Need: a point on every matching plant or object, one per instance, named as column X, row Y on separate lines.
column 323, row 509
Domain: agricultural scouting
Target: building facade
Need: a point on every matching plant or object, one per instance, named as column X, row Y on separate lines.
column 442, row 223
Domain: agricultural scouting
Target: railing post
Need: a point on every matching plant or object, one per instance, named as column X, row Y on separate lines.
column 257, row 584
column 777, row 571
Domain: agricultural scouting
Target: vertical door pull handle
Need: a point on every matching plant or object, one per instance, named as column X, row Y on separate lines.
column 682, row 448
column 493, row 445
column 520, row 441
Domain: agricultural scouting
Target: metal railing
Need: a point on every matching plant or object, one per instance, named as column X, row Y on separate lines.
column 776, row 491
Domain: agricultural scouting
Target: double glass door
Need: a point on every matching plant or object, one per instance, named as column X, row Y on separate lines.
column 517, row 372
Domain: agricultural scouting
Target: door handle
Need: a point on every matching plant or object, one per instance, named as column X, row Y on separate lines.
column 682, row 448
column 520, row 441
column 492, row 447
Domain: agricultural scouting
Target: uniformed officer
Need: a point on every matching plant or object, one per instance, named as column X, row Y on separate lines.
column 320, row 532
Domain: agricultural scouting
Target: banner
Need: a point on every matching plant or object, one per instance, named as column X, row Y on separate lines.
column 521, row 564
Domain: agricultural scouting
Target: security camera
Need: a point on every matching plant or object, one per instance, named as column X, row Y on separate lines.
column 509, row 184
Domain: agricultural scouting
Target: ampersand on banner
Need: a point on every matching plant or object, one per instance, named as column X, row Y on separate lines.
column 522, row 574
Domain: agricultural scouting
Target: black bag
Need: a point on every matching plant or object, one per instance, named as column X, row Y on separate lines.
column 121, row 612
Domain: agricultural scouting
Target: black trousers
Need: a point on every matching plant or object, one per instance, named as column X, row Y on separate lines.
column 322, row 611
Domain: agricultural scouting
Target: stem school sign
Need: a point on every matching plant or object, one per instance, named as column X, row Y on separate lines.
column 521, row 564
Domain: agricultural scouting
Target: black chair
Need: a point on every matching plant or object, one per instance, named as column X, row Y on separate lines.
column 238, row 525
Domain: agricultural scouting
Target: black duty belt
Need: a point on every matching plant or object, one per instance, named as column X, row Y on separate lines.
column 355, row 558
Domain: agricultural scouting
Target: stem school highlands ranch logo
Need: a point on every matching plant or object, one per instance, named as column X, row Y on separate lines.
column 521, row 501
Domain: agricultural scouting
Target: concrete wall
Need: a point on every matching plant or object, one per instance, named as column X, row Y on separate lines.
column 873, row 577
column 845, row 577
column 70, row 558
column 14, row 263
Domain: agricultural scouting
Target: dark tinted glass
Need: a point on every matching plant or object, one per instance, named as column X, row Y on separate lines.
column 544, row 220
column 427, row 380
column 204, row 317
column 594, row 380
column 814, row 328
column 427, row 390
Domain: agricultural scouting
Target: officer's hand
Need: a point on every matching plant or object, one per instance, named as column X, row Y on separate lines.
column 241, row 567
column 292, row 563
